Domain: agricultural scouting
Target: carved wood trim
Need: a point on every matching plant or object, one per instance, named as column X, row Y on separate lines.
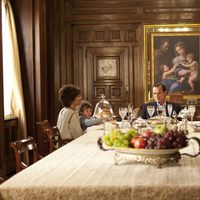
column 129, row 11
column 107, row 33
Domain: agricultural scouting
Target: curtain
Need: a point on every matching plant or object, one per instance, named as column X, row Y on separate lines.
column 11, row 69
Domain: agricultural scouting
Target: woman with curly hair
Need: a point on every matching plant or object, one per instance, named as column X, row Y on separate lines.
column 68, row 119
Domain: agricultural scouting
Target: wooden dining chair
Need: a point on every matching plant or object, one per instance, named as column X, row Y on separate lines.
column 43, row 125
column 25, row 149
column 54, row 138
column 52, row 134
column 176, row 97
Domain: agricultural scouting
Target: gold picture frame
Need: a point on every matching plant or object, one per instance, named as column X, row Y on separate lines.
column 167, row 48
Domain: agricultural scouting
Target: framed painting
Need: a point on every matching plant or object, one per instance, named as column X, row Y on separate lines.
column 172, row 57
column 107, row 67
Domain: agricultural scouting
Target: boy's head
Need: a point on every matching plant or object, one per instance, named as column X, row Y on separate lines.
column 86, row 109
column 190, row 57
column 164, row 67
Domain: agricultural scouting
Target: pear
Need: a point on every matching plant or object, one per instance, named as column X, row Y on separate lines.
column 160, row 129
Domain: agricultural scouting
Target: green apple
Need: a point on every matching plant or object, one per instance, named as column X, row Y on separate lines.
column 160, row 129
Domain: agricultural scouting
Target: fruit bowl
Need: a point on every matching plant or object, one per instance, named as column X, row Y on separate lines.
column 157, row 157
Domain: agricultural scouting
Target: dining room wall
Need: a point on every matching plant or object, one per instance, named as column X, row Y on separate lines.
column 81, row 14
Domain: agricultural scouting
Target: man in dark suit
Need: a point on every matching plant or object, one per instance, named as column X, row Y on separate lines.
column 159, row 95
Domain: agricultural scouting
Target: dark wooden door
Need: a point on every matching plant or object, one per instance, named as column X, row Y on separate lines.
column 108, row 72
column 103, row 58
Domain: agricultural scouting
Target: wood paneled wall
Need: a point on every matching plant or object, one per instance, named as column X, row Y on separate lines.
column 50, row 35
column 99, row 45
column 133, row 11
column 128, row 12
column 31, row 26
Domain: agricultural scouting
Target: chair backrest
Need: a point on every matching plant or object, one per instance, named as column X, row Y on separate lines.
column 176, row 97
column 44, row 124
column 25, row 149
column 54, row 138
column 52, row 134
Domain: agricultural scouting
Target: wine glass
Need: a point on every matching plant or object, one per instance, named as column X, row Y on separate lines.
column 122, row 112
column 192, row 109
column 169, row 108
column 150, row 110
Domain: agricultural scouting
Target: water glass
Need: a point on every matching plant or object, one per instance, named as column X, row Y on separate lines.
column 192, row 109
column 169, row 109
column 150, row 110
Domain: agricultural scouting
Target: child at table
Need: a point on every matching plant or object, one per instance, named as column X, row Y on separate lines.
column 85, row 113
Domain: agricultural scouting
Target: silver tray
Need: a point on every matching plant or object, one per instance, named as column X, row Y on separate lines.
column 152, row 152
column 156, row 157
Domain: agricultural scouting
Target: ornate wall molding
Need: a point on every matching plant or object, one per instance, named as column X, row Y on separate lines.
column 116, row 11
column 105, row 34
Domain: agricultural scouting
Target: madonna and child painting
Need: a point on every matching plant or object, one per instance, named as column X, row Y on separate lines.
column 176, row 63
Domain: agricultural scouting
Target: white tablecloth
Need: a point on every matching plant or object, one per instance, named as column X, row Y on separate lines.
column 81, row 171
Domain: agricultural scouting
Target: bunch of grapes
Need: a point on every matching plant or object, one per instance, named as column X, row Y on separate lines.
column 117, row 138
column 169, row 140
column 153, row 141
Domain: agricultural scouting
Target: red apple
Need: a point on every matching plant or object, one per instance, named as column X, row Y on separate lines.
column 134, row 139
column 140, row 143
column 147, row 133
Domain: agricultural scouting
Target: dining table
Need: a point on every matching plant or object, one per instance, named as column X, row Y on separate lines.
column 80, row 170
